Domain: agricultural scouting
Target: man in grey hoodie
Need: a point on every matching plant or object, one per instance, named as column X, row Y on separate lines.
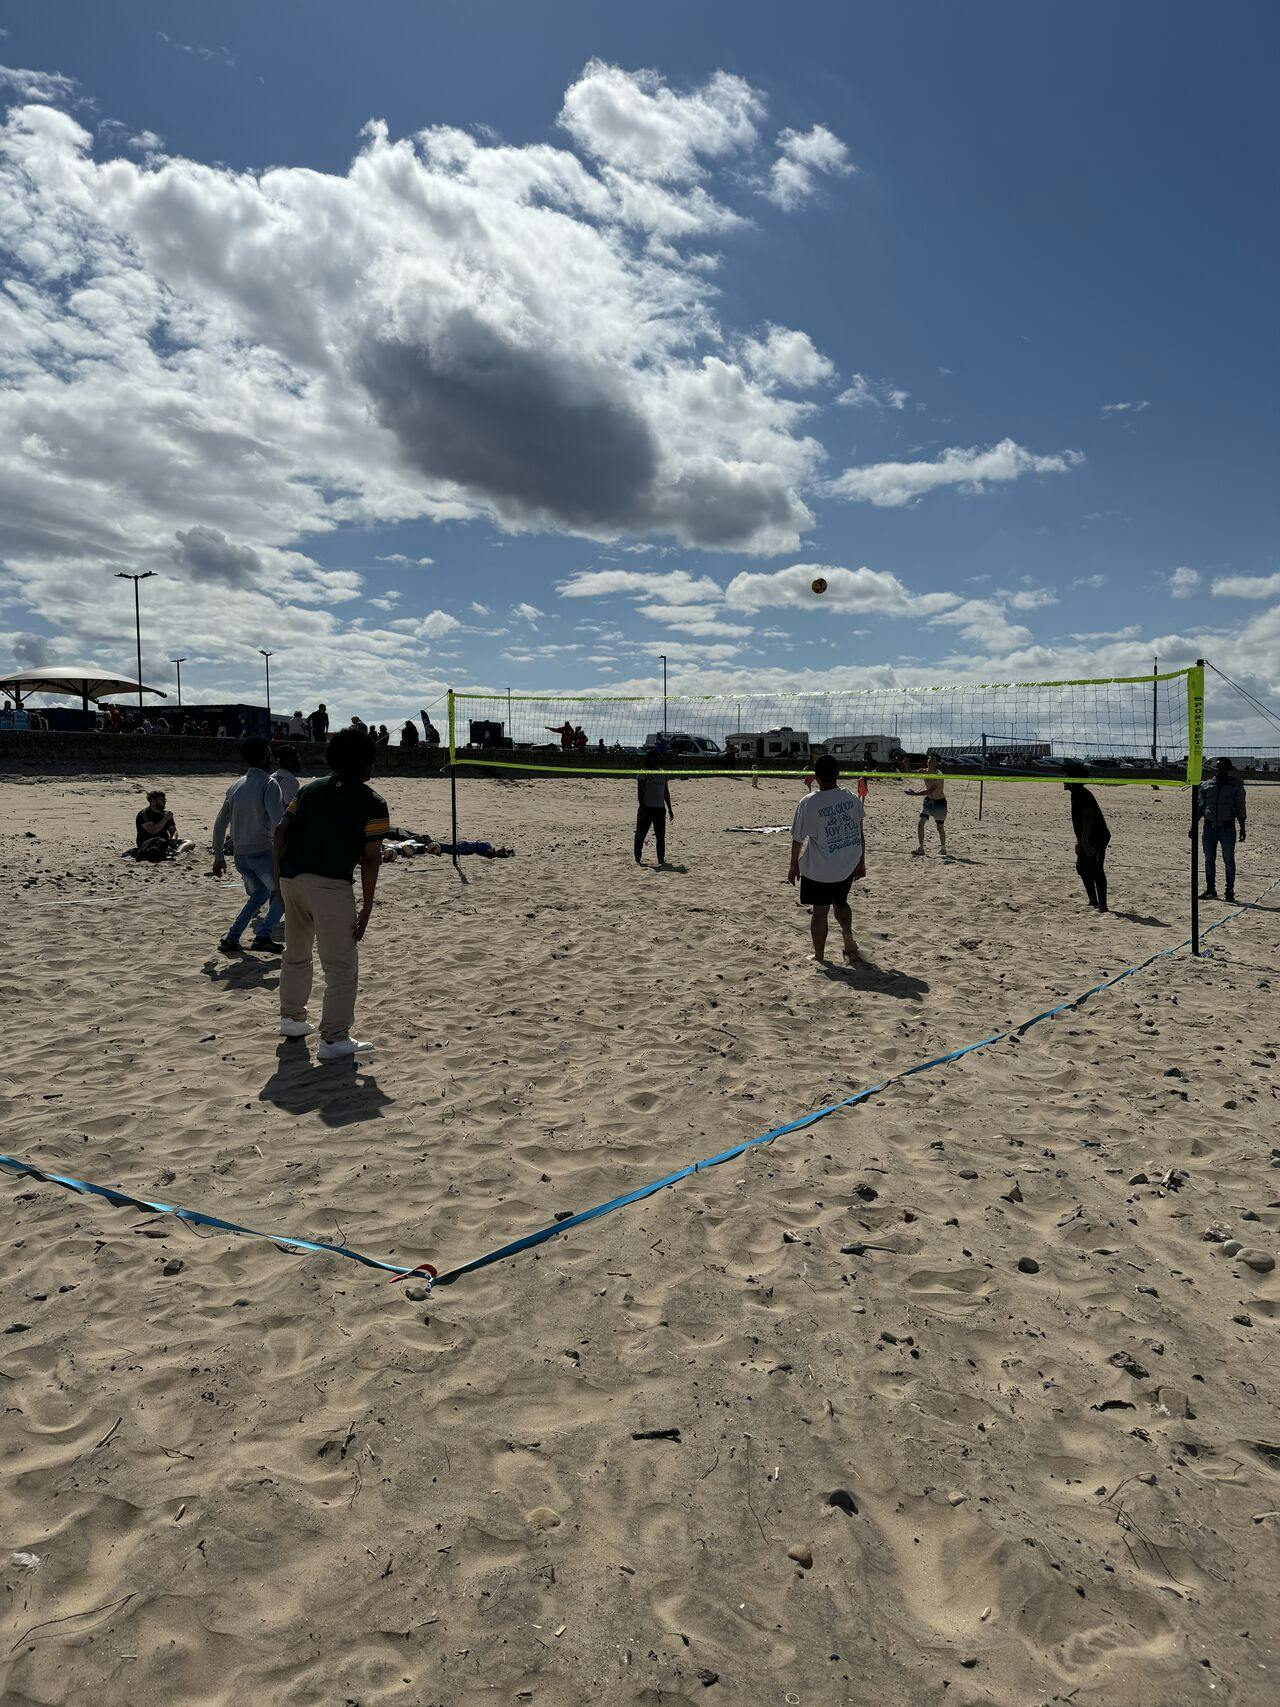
column 251, row 811
column 1222, row 808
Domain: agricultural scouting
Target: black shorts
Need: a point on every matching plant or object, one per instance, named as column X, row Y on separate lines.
column 933, row 809
column 816, row 894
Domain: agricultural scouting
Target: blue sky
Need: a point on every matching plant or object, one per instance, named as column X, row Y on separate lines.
column 1032, row 249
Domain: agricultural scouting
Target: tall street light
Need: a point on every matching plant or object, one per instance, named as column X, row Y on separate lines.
column 179, row 662
column 267, row 657
column 664, row 694
column 124, row 575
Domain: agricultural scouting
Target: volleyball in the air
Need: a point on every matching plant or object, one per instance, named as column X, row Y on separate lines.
column 818, row 584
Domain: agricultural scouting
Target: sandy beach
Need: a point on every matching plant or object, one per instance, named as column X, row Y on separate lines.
column 696, row 1451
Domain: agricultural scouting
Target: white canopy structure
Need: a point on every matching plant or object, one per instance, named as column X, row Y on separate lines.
column 84, row 682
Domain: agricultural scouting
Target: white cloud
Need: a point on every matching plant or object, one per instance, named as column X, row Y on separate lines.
column 863, row 392
column 279, row 354
column 1125, row 408
column 675, row 586
column 984, row 623
column 481, row 610
column 399, row 557
column 784, row 357
column 50, row 86
column 690, row 651
column 633, row 121
column 1247, row 587
column 1031, row 598
column 197, row 50
column 892, row 484
column 1183, row 583
column 698, row 621
column 436, row 624
column 858, row 591
column 1091, row 581
column 802, row 157
column 527, row 613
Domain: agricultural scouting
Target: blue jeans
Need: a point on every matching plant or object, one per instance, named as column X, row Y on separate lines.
column 258, row 872
column 1219, row 836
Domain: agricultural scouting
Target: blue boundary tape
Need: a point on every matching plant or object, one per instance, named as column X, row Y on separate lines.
column 198, row 1218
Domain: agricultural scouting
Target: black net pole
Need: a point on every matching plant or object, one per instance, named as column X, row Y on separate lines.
column 1195, row 868
column 453, row 785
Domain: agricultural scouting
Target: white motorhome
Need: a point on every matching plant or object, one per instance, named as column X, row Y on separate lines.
column 781, row 743
column 860, row 749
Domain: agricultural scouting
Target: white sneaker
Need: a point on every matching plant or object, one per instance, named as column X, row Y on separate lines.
column 343, row 1049
column 295, row 1028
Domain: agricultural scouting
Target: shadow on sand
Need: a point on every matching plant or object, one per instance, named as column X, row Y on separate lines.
column 875, row 980
column 1139, row 919
column 245, row 972
column 342, row 1093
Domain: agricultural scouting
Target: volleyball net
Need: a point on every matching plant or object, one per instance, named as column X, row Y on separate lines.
column 1121, row 729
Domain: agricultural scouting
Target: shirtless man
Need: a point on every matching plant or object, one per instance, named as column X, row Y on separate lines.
column 934, row 797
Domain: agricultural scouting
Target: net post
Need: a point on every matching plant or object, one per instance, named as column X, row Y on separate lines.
column 1195, row 769
column 453, row 781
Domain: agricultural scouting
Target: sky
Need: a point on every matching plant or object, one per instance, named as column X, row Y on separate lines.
column 490, row 345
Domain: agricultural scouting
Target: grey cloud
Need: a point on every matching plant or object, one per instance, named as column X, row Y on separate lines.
column 208, row 555
column 521, row 428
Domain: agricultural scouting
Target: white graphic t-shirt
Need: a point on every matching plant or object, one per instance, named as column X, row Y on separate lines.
column 830, row 823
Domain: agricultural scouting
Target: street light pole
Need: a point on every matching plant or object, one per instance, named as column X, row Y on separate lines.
column 124, row 575
column 664, row 695
column 267, row 659
column 179, row 662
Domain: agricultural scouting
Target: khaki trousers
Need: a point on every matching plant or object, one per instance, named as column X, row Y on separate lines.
column 320, row 914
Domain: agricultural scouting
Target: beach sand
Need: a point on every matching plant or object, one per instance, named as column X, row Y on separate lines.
column 912, row 1475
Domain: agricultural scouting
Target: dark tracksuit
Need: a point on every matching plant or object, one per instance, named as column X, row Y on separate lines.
column 1092, row 838
column 652, row 800
column 1222, row 807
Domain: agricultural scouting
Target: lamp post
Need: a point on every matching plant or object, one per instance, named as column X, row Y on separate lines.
column 267, row 656
column 124, row 575
column 664, row 695
column 178, row 663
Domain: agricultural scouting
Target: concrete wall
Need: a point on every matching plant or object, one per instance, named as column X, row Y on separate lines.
column 38, row 751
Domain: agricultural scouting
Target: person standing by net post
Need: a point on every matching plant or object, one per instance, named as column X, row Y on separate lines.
column 1222, row 808
column 331, row 825
column 1092, row 840
column 828, row 851
column 653, row 808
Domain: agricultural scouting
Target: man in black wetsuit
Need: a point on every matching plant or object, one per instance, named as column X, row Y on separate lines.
column 1092, row 837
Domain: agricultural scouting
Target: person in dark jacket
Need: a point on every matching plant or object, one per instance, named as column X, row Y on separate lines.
column 1222, row 809
column 1092, row 839
column 653, row 808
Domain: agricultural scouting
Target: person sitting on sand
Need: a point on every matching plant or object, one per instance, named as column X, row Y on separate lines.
column 157, row 834
column 935, row 806
column 827, row 852
column 1092, row 839
column 653, row 808
column 250, row 811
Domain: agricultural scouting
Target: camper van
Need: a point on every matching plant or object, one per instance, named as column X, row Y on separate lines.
column 863, row 749
column 770, row 744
